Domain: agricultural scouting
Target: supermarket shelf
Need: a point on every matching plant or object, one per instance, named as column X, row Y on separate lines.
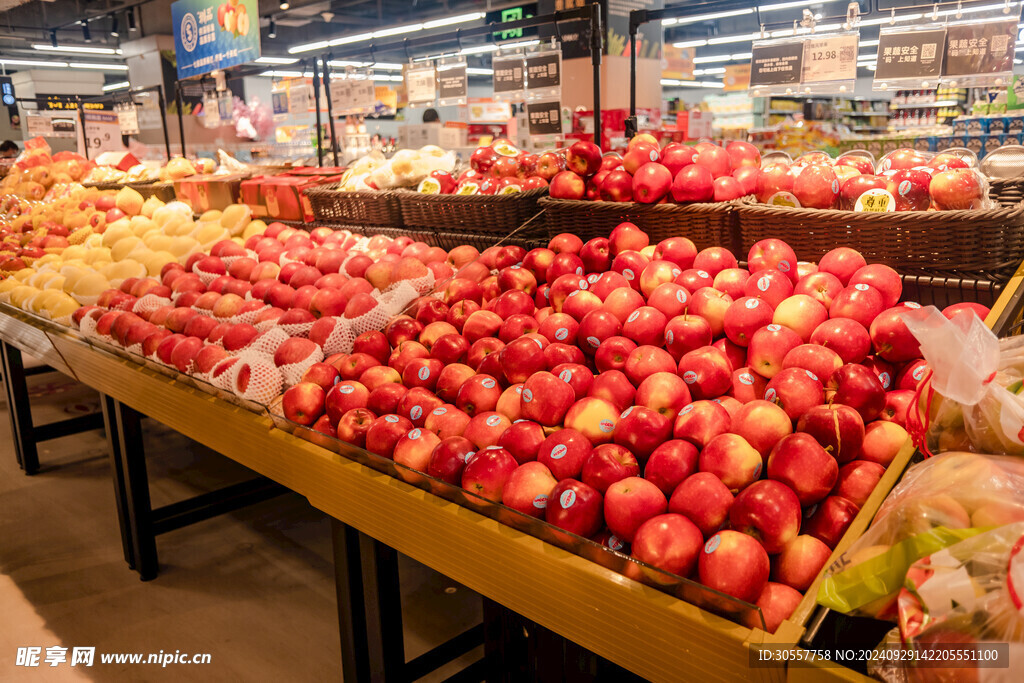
column 785, row 111
column 926, row 105
column 865, row 113
column 733, row 114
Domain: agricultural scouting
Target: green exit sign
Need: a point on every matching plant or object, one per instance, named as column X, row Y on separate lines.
column 513, row 14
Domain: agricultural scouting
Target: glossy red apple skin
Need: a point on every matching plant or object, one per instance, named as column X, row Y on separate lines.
column 769, row 511
column 670, row 542
column 837, row 428
column 799, row 462
column 630, row 502
column 735, row 564
column 576, row 508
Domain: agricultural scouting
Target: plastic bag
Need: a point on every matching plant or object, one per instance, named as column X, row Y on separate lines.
column 974, row 587
column 972, row 398
column 939, row 502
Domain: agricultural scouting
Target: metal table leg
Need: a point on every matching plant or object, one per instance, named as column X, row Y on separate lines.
column 19, row 408
column 131, row 486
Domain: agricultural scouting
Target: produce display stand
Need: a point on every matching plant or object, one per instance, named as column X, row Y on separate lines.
column 648, row 632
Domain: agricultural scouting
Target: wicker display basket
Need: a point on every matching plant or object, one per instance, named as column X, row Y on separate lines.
column 707, row 225
column 987, row 241
column 1006, row 191
column 363, row 208
column 493, row 215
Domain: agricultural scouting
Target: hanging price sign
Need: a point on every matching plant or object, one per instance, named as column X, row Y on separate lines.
column 452, row 84
column 776, row 64
column 341, row 95
column 128, row 120
column 102, row 133
column 831, row 58
column 509, row 78
column 421, row 86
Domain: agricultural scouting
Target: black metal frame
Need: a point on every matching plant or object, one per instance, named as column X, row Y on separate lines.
column 370, row 617
column 129, row 95
column 26, row 434
column 140, row 522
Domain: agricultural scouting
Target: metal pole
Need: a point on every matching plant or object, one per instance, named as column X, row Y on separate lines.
column 330, row 110
column 81, row 122
column 181, row 109
column 596, row 46
column 163, row 119
column 633, row 31
column 316, row 108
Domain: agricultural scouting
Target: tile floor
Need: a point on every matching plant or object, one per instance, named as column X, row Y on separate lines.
column 254, row 588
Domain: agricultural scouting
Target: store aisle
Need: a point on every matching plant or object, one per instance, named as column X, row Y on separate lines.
column 253, row 589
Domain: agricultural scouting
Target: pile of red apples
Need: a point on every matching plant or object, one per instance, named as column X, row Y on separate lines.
column 720, row 423
column 907, row 180
column 208, row 312
column 650, row 174
column 498, row 168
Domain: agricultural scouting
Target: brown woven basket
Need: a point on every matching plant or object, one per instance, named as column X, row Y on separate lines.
column 978, row 241
column 1006, row 192
column 493, row 215
column 368, row 207
column 707, row 225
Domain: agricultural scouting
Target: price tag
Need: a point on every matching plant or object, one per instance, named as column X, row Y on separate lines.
column 364, row 96
column 37, row 125
column 421, row 86
column 211, row 110
column 128, row 120
column 102, row 133
column 298, row 99
column 833, row 58
column 876, row 200
column 545, row 118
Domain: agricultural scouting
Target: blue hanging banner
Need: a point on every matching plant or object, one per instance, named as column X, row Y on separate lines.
column 211, row 35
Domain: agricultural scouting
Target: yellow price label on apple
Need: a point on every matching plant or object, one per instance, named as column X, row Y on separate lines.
column 876, row 200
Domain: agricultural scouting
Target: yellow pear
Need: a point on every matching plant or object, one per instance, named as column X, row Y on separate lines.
column 129, row 200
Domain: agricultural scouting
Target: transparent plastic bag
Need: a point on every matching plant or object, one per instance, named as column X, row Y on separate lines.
column 974, row 587
column 972, row 397
column 939, row 502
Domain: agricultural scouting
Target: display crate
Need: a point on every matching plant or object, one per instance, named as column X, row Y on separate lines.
column 363, row 208
column 493, row 215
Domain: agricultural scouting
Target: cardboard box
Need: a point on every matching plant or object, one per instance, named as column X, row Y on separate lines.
column 205, row 192
column 283, row 197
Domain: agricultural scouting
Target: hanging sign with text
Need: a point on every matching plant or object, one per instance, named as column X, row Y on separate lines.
column 545, row 118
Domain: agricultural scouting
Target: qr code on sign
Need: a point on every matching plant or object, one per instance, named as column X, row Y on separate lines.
column 928, row 51
column 847, row 54
column 1000, row 44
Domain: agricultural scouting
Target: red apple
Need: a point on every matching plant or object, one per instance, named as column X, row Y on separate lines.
column 575, row 507
column 527, row 489
column 487, row 473
column 857, row 387
column 670, row 542
column 629, row 503
column 700, row 422
column 769, row 511
column 830, row 520
column 735, row 564
column 800, row 562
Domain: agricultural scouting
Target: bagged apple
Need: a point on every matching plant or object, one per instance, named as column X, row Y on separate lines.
column 941, row 501
column 971, row 587
column 972, row 399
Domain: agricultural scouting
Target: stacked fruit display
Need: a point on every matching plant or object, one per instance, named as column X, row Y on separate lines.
column 250, row 318
column 724, row 423
column 648, row 174
column 906, row 180
column 498, row 168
